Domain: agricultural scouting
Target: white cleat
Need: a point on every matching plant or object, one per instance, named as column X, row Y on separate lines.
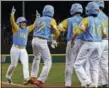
column 91, row 86
column 9, row 80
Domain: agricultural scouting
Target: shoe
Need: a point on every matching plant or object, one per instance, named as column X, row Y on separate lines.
column 104, row 86
column 39, row 84
column 32, row 80
column 25, row 83
column 91, row 86
column 9, row 80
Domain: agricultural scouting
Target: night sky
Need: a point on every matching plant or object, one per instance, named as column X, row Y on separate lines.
column 62, row 11
column 61, row 8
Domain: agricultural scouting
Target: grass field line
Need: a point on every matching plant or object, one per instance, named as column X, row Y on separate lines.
column 13, row 84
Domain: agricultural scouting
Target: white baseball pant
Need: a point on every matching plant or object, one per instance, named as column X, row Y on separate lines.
column 103, row 65
column 41, row 49
column 87, row 51
column 17, row 54
column 71, row 54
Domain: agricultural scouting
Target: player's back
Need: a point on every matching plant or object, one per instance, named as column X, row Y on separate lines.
column 43, row 27
column 73, row 23
column 94, row 29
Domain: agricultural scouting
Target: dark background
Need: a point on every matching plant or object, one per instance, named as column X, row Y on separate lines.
column 62, row 9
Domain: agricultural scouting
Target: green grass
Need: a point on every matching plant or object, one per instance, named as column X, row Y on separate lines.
column 56, row 75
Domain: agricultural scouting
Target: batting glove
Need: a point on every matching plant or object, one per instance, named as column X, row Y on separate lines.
column 13, row 11
column 54, row 44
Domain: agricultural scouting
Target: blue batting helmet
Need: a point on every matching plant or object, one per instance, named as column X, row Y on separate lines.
column 100, row 3
column 76, row 8
column 48, row 11
column 20, row 19
column 92, row 8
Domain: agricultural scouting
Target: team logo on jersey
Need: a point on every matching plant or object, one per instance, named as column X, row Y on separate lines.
column 22, row 35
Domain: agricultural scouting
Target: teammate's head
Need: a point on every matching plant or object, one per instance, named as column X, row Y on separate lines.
column 101, row 4
column 76, row 8
column 21, row 21
column 92, row 8
column 48, row 11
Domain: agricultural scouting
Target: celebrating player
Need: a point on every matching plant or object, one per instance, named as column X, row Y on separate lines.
column 91, row 49
column 46, row 25
column 103, row 76
column 69, row 25
column 20, row 34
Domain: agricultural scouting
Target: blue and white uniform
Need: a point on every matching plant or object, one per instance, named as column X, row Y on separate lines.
column 45, row 26
column 18, row 50
column 69, row 25
column 93, row 30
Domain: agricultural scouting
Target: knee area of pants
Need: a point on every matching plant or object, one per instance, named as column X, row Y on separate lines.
column 48, row 64
column 69, row 66
column 13, row 66
column 76, row 66
column 37, row 58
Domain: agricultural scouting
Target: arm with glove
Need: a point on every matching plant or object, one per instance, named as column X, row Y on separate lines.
column 82, row 28
column 55, row 34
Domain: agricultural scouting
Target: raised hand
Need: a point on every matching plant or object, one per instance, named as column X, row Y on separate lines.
column 13, row 10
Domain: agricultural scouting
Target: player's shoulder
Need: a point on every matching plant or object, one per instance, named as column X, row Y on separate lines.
column 86, row 18
column 52, row 19
column 102, row 15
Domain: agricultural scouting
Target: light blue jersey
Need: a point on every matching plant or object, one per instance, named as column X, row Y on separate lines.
column 104, row 18
column 94, row 30
column 43, row 28
column 20, row 37
column 73, row 23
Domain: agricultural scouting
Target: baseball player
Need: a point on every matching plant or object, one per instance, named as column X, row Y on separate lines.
column 103, row 76
column 93, row 32
column 18, row 52
column 46, row 25
column 69, row 25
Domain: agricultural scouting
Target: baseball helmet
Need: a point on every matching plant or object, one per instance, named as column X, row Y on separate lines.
column 48, row 11
column 92, row 8
column 76, row 8
column 100, row 3
column 20, row 19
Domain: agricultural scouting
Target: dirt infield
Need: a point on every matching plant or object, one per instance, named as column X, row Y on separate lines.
column 14, row 85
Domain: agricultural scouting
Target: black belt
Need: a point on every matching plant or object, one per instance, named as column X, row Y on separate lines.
column 39, row 37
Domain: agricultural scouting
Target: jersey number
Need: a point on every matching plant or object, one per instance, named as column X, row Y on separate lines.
column 40, row 26
column 96, row 31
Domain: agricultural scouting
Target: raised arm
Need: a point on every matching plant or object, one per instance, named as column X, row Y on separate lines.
column 12, row 20
column 31, row 27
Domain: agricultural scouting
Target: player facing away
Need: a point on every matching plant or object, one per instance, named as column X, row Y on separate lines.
column 103, row 66
column 18, row 52
column 45, row 26
column 69, row 25
column 91, row 49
